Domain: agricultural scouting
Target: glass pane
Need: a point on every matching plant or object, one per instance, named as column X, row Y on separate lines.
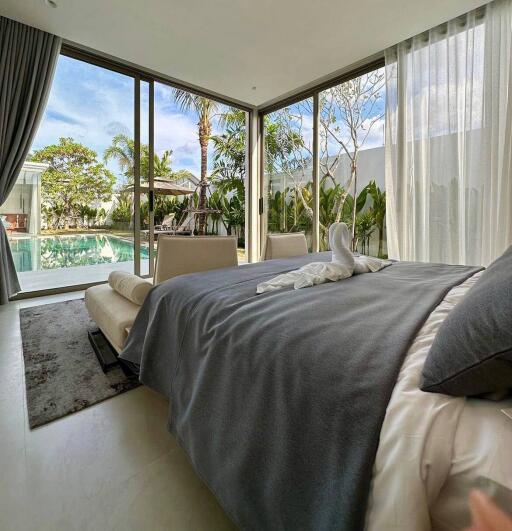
column 352, row 161
column 68, row 217
column 199, row 147
column 288, row 169
column 144, row 178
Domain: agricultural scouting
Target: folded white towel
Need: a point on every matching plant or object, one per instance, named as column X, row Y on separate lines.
column 306, row 276
column 343, row 265
column 369, row 264
column 339, row 242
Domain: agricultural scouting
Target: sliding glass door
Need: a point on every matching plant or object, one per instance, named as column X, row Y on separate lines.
column 199, row 166
column 118, row 160
column 351, row 161
column 323, row 162
column 70, row 216
column 288, row 177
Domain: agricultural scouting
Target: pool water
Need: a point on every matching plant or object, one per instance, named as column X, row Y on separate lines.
column 53, row 252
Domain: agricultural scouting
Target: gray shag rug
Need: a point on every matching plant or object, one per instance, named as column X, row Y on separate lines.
column 62, row 373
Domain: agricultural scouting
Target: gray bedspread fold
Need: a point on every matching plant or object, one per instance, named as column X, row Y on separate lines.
column 278, row 399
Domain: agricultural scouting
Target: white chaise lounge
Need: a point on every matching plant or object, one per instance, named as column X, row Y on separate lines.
column 114, row 306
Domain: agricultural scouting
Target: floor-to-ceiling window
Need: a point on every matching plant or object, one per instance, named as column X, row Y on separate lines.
column 288, row 156
column 74, row 226
column 200, row 148
column 351, row 161
column 349, row 124
column 112, row 144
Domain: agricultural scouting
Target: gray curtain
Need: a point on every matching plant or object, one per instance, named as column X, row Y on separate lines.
column 28, row 57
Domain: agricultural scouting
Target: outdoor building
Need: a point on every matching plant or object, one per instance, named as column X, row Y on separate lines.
column 21, row 213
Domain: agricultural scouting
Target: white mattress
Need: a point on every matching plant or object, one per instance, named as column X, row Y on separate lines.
column 433, row 447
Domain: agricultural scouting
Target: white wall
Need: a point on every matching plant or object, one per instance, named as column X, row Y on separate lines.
column 370, row 167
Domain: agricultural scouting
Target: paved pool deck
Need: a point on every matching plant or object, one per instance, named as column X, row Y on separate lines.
column 73, row 276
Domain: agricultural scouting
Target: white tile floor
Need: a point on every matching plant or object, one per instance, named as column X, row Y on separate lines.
column 112, row 466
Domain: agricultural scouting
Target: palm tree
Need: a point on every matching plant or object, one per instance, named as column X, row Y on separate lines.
column 122, row 149
column 205, row 110
column 162, row 165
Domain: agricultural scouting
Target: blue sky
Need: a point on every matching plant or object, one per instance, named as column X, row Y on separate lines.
column 374, row 139
column 92, row 104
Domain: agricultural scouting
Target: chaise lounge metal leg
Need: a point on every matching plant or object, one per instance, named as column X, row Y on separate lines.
column 105, row 353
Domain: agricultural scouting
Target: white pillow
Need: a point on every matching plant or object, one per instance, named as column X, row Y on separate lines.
column 130, row 286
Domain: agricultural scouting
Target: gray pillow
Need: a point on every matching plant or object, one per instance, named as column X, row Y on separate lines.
column 472, row 351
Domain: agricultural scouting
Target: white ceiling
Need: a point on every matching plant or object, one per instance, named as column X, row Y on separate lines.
column 230, row 46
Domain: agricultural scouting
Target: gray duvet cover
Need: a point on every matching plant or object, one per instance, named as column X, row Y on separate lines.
column 278, row 399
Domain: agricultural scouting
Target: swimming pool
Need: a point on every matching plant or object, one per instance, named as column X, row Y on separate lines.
column 53, row 252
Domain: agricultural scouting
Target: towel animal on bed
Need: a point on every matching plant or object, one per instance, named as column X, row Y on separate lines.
column 343, row 265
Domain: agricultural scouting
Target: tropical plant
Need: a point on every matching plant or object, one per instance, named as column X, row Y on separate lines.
column 205, row 110
column 87, row 215
column 229, row 151
column 365, row 226
column 328, row 200
column 74, row 177
column 101, row 216
column 379, row 212
column 286, row 212
column 122, row 213
column 52, row 215
column 122, row 150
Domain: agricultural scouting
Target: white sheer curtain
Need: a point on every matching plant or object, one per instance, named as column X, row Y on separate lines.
column 448, row 140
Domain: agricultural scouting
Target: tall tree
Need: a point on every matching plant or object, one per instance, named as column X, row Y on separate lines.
column 205, row 110
column 122, row 149
column 229, row 153
column 74, row 178
column 349, row 113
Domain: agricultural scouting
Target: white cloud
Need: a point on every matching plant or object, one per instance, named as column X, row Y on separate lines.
column 91, row 105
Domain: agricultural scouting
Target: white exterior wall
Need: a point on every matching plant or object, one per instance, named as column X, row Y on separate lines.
column 370, row 167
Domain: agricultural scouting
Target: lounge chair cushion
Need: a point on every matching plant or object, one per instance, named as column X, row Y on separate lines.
column 129, row 286
column 113, row 313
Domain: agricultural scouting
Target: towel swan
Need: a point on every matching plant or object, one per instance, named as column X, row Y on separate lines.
column 342, row 265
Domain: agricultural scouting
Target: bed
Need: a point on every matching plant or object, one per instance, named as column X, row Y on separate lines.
column 301, row 409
